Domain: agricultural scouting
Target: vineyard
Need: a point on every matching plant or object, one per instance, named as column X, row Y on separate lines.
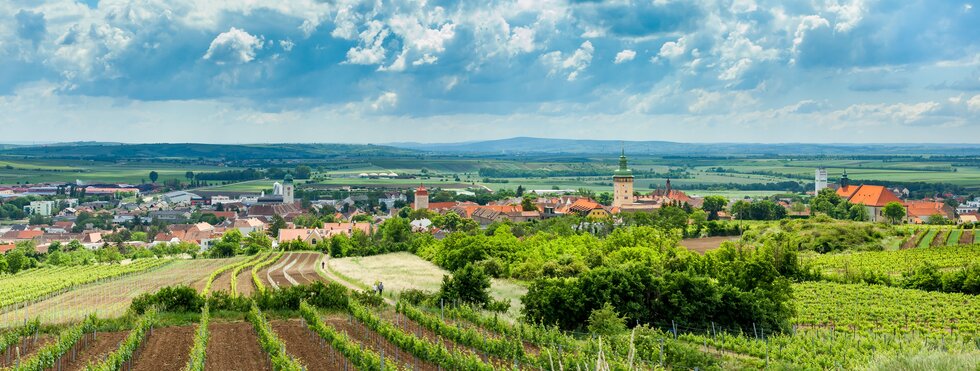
column 35, row 284
column 246, row 319
column 895, row 262
column 923, row 237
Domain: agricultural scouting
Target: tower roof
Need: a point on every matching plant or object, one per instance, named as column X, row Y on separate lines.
column 421, row 190
column 288, row 179
column 624, row 170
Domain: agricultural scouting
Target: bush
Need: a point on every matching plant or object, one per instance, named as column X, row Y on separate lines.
column 418, row 297
column 468, row 285
column 604, row 321
column 329, row 296
column 169, row 299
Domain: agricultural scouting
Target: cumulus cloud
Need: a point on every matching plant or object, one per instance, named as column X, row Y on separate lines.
column 233, row 46
column 673, row 49
column 385, row 101
column 574, row 64
column 974, row 103
column 371, row 49
column 625, row 55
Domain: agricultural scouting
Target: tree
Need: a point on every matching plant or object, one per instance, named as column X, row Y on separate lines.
column 16, row 260
column 257, row 241
column 713, row 204
column 277, row 223
column 302, row 172
column 520, row 191
column 605, row 322
column 894, row 212
column 527, row 204
column 189, row 175
column 467, row 285
column 154, row 176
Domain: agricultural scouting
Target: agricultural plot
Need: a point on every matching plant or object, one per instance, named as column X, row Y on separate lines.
column 703, row 245
column 882, row 309
column 294, row 268
column 894, row 262
column 61, row 170
column 234, row 346
column 111, row 298
column 402, row 271
column 166, row 349
column 38, row 283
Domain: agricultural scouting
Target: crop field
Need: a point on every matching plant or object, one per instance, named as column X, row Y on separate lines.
column 895, row 262
column 402, row 271
column 111, row 297
column 17, row 170
column 886, row 309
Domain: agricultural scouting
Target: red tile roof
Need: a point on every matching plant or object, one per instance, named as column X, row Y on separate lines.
column 872, row 195
column 7, row 247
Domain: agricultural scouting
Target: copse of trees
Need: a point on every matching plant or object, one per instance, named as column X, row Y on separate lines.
column 828, row 202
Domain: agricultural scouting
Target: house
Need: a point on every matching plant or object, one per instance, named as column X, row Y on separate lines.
column 485, row 215
column 969, row 207
column 587, row 208
column 249, row 225
column 170, row 216
column 919, row 211
column 390, row 198
column 287, row 211
column 22, row 235
column 968, row 218
column 873, row 197
column 314, row 235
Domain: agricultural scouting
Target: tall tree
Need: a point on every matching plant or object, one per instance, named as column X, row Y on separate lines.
column 894, row 212
column 277, row 223
column 154, row 176
column 713, row 204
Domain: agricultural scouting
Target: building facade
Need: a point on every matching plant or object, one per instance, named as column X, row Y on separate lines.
column 421, row 198
column 288, row 190
column 622, row 183
column 820, row 180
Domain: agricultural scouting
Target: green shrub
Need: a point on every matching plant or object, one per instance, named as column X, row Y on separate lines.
column 169, row 299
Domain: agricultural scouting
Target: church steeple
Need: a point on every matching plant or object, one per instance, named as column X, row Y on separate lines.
column 844, row 182
column 624, row 170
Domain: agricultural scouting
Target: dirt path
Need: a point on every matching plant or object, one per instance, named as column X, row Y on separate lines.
column 222, row 282
column 25, row 348
column 234, row 346
column 307, row 347
column 305, row 270
column 706, row 244
column 244, row 285
column 168, row 348
column 372, row 340
column 289, row 267
column 268, row 272
column 967, row 237
column 93, row 350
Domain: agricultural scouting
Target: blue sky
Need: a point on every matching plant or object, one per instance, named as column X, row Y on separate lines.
column 228, row 71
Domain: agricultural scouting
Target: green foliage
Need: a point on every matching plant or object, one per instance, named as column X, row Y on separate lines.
column 894, row 212
column 47, row 357
column 468, row 285
column 605, row 322
column 500, row 347
column 12, row 337
column 824, row 235
column 169, row 299
column 271, row 343
column 259, row 286
column 758, row 210
column 126, row 350
column 360, row 357
column 199, row 351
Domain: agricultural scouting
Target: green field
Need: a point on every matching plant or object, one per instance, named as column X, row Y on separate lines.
column 17, row 171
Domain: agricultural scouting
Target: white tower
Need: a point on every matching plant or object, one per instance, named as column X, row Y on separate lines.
column 820, row 180
column 421, row 198
column 622, row 183
column 288, row 196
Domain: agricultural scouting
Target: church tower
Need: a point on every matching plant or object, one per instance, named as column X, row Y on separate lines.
column 288, row 195
column 421, row 198
column 622, row 183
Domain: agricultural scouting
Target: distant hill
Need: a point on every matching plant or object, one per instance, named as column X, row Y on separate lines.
column 526, row 145
column 207, row 151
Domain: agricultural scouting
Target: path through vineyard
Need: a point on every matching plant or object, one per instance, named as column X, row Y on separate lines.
column 165, row 350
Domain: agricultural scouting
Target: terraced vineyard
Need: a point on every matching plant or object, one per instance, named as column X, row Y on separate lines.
column 35, row 284
column 895, row 262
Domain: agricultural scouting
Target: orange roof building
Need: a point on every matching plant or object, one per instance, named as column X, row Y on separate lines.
column 873, row 197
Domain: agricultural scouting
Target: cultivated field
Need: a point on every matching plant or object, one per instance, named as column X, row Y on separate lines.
column 402, row 271
column 111, row 298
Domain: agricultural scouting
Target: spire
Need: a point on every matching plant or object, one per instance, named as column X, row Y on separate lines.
column 624, row 170
column 844, row 182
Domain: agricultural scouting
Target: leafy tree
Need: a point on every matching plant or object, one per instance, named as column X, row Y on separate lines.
column 520, row 191
column 257, row 241
column 894, row 212
column 527, row 204
column 713, row 204
column 233, row 236
column 154, row 176
column 3, row 264
column 302, row 172
column 857, row 212
column 277, row 223
column 468, row 285
column 189, row 175
column 939, row 219
column 17, row 260
column 138, row 236
column 223, row 250
column 605, row 322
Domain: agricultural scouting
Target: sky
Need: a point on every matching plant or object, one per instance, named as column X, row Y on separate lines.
column 250, row 71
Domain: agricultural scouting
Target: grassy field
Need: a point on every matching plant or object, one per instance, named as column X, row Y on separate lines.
column 14, row 171
column 402, row 271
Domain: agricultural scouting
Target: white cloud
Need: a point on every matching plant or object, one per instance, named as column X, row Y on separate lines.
column 575, row 64
column 848, row 15
column 625, row 55
column 233, row 46
column 807, row 23
column 521, row 41
column 286, row 44
column 974, row 103
column 673, row 49
column 385, row 101
column 371, row 49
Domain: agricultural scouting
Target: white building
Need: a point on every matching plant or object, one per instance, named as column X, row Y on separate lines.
column 969, row 207
column 180, row 197
column 820, row 180
column 391, row 197
column 45, row 208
